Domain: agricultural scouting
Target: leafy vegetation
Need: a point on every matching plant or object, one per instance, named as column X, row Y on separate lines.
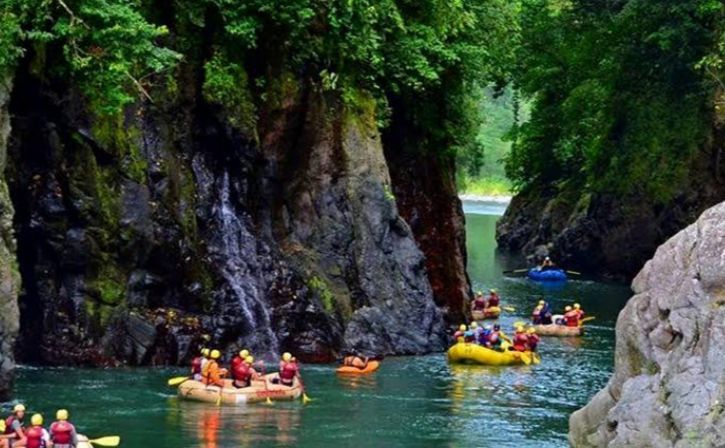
column 621, row 96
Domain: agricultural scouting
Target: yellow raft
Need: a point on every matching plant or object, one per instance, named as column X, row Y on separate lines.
column 468, row 353
column 260, row 390
column 558, row 330
column 488, row 313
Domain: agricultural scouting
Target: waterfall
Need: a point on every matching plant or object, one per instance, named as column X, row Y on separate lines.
column 235, row 251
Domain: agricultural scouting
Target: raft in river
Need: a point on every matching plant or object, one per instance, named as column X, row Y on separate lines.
column 260, row 390
column 348, row 370
column 548, row 275
column 469, row 353
column 488, row 313
column 558, row 330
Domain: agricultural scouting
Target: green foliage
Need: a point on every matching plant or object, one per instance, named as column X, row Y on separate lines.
column 620, row 100
column 320, row 287
column 226, row 83
column 106, row 46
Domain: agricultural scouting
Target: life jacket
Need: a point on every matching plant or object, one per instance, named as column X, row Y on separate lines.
column 9, row 425
column 520, row 342
column 572, row 319
column 533, row 341
column 494, row 300
column 457, row 334
column 479, row 304
column 494, row 338
column 196, row 366
column 61, row 433
column 468, row 336
column 242, row 372
column 211, row 374
column 580, row 313
column 34, row 437
column 287, row 372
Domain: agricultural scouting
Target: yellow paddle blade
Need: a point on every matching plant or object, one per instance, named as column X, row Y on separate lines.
column 106, row 441
column 510, row 309
column 305, row 398
column 587, row 319
column 526, row 359
column 537, row 359
column 176, row 381
column 269, row 401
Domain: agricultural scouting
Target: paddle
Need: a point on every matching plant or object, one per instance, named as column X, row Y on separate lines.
column 526, row 359
column 305, row 398
column 573, row 272
column 178, row 380
column 586, row 319
column 516, row 271
column 106, row 441
column 510, row 309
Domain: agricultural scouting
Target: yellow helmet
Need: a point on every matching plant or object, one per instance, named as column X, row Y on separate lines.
column 493, row 291
column 19, row 408
column 36, row 420
column 62, row 414
column 519, row 328
column 474, row 325
column 542, row 303
column 479, row 293
column 205, row 352
column 531, row 330
column 462, row 327
column 249, row 359
column 567, row 308
column 244, row 353
column 539, row 307
column 286, row 356
column 216, row 354
column 577, row 306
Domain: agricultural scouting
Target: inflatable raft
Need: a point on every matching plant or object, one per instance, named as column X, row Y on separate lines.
column 558, row 330
column 549, row 275
column 260, row 390
column 488, row 313
column 466, row 353
column 370, row 368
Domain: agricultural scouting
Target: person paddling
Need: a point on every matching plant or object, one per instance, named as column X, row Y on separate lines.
column 356, row 359
column 288, row 370
column 571, row 317
column 547, row 264
column 212, row 373
column 479, row 303
column 521, row 340
column 493, row 299
column 580, row 312
column 534, row 339
column 62, row 432
column 196, row 365
column 243, row 373
column 36, row 436
column 459, row 334
column 14, row 435
column 536, row 316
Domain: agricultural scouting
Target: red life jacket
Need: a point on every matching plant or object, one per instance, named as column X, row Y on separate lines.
column 288, row 372
column 533, row 342
column 493, row 300
column 196, row 366
column 35, row 437
column 241, row 372
column 572, row 319
column 520, row 342
column 479, row 304
column 61, row 432
column 9, row 425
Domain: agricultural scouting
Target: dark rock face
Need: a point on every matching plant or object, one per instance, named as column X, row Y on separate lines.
column 9, row 281
column 667, row 390
column 603, row 234
column 424, row 187
column 142, row 239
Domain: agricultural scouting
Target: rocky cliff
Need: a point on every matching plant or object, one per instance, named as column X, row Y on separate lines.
column 606, row 234
column 184, row 223
column 667, row 388
column 9, row 315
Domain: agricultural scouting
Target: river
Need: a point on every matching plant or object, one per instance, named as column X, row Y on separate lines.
column 409, row 402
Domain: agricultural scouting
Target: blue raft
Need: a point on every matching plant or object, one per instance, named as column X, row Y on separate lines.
column 549, row 275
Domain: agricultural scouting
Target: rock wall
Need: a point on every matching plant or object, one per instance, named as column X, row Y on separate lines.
column 667, row 388
column 605, row 234
column 143, row 237
column 9, row 314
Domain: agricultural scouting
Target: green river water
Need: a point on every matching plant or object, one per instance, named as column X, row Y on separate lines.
column 409, row 402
